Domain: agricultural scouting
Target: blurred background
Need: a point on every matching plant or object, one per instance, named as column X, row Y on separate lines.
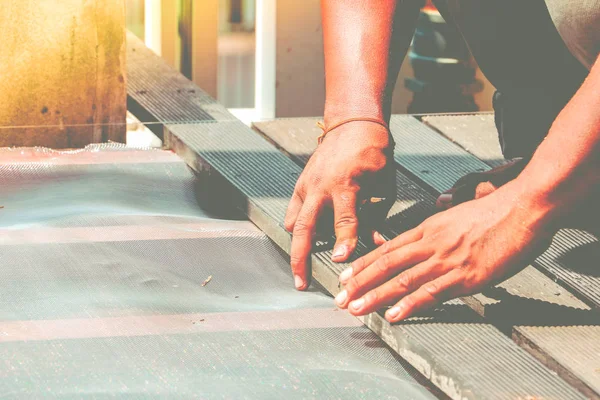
column 264, row 58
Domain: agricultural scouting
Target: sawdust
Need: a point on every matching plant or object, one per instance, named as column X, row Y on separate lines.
column 206, row 281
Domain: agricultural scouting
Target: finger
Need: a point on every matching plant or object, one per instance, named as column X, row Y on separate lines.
column 444, row 201
column 391, row 290
column 428, row 295
column 357, row 266
column 378, row 238
column 382, row 270
column 302, row 240
column 292, row 212
column 346, row 226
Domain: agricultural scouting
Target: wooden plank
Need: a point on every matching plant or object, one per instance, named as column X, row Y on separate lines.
column 62, row 66
column 238, row 161
column 475, row 133
column 527, row 299
column 168, row 97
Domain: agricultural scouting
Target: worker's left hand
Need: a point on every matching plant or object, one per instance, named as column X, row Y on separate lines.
column 454, row 253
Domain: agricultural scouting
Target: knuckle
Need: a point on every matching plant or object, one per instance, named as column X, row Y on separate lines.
column 403, row 282
column 383, row 264
column 386, row 247
column 466, row 282
column 408, row 303
column 358, row 265
column 302, row 228
column 315, row 179
column 433, row 289
column 346, row 220
column 300, row 187
column 372, row 297
column 296, row 262
column 288, row 224
column 351, row 286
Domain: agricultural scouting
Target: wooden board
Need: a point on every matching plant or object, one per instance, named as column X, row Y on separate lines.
column 475, row 133
column 241, row 164
column 529, row 301
column 62, row 72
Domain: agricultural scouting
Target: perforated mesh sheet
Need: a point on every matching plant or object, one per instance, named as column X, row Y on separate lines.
column 103, row 257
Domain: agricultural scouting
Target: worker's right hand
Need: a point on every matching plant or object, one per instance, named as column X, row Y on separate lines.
column 354, row 163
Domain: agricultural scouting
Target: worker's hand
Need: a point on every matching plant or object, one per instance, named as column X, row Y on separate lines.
column 453, row 253
column 352, row 164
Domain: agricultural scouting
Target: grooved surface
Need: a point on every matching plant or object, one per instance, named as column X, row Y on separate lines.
column 429, row 156
column 163, row 93
column 295, row 136
column 581, row 358
column 526, row 289
column 562, row 260
column 573, row 258
column 475, row 133
column 491, row 365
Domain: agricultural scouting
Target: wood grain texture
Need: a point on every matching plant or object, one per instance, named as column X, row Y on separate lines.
column 62, row 65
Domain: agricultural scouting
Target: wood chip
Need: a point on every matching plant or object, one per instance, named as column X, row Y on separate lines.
column 206, row 281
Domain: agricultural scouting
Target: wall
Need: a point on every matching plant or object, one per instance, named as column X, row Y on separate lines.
column 62, row 63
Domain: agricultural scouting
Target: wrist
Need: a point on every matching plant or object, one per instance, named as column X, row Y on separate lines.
column 539, row 207
column 336, row 111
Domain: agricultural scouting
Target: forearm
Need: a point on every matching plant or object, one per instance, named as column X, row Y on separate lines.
column 365, row 42
column 566, row 167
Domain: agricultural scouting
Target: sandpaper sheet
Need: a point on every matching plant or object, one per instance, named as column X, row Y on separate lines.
column 115, row 283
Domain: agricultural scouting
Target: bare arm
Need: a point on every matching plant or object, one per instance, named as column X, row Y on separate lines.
column 365, row 42
column 566, row 166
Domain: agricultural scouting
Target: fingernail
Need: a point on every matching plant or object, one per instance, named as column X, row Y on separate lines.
column 357, row 304
column 345, row 275
column 444, row 200
column 298, row 282
column 341, row 297
column 393, row 312
column 340, row 251
column 379, row 237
